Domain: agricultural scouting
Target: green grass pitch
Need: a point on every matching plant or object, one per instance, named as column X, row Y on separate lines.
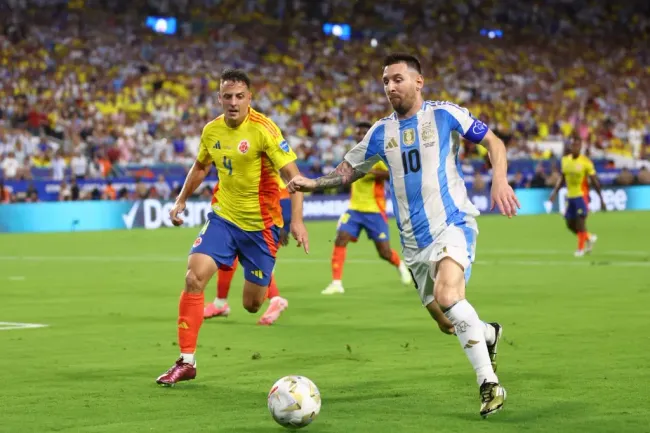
column 575, row 358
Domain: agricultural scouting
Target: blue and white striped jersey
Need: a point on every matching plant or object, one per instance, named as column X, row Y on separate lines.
column 427, row 186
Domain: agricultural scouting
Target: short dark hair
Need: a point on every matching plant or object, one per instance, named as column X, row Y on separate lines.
column 364, row 124
column 236, row 75
column 411, row 61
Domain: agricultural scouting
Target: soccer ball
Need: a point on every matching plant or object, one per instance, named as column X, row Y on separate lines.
column 294, row 401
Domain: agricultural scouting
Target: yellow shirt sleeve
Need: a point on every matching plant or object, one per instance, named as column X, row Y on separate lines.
column 276, row 147
column 203, row 156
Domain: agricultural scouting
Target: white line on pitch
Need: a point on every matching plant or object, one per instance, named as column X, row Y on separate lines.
column 10, row 326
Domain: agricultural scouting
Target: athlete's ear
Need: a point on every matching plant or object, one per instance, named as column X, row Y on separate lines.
column 419, row 82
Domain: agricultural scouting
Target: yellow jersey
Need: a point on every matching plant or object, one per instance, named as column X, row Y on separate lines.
column 368, row 194
column 576, row 171
column 248, row 159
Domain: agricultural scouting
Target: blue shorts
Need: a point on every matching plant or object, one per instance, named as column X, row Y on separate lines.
column 576, row 207
column 285, row 203
column 223, row 241
column 374, row 223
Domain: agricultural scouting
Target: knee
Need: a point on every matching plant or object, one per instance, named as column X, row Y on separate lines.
column 193, row 282
column 252, row 305
column 446, row 294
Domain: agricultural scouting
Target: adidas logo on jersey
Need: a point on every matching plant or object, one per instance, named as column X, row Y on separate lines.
column 392, row 144
column 217, row 145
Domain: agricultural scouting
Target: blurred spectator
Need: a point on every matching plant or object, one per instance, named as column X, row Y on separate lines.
column 479, row 184
column 58, row 166
column 5, row 195
column 624, row 178
column 78, row 165
column 162, row 188
column 643, row 178
column 539, row 179
column 10, row 166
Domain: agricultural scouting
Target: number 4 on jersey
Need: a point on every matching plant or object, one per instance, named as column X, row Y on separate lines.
column 227, row 163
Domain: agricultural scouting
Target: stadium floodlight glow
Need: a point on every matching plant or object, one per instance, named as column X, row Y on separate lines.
column 373, row 43
column 337, row 30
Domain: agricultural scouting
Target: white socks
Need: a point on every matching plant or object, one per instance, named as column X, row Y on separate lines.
column 188, row 358
column 490, row 334
column 220, row 303
column 471, row 331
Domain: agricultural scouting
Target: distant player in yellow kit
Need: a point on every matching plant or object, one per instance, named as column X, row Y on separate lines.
column 367, row 211
column 577, row 171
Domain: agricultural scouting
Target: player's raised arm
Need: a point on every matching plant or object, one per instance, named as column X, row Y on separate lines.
column 357, row 162
column 193, row 180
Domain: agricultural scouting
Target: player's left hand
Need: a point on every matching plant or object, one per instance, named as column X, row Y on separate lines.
column 504, row 197
column 284, row 237
column 301, row 183
column 299, row 232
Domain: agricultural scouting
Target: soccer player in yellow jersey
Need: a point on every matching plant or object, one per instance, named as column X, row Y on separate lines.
column 367, row 211
column 277, row 304
column 248, row 150
column 576, row 170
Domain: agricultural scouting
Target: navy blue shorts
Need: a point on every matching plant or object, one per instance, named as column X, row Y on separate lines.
column 223, row 241
column 576, row 207
column 374, row 223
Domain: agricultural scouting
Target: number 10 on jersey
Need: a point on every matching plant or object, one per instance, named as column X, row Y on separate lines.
column 411, row 161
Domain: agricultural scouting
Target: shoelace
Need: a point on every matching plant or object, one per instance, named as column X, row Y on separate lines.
column 486, row 392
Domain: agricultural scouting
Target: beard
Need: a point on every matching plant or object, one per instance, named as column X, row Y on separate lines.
column 402, row 105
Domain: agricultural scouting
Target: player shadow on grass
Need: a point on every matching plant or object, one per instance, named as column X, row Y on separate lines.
column 513, row 415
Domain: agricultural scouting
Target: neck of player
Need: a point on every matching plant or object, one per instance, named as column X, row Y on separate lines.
column 417, row 105
column 234, row 123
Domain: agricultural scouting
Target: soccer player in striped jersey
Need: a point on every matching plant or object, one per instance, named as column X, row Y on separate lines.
column 248, row 150
column 435, row 217
column 577, row 172
column 277, row 304
column 367, row 211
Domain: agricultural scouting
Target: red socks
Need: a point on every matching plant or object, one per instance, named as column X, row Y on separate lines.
column 224, row 278
column 272, row 291
column 190, row 318
column 338, row 258
column 394, row 258
column 582, row 238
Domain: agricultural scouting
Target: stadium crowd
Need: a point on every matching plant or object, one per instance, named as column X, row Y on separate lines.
column 86, row 90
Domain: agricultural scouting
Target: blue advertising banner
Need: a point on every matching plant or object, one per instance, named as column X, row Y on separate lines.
column 153, row 214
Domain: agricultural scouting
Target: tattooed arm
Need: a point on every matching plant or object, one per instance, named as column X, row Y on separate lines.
column 343, row 175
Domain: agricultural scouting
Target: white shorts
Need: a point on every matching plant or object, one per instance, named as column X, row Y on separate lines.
column 457, row 242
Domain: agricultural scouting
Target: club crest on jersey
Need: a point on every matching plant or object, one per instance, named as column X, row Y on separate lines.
column 243, row 146
column 284, row 146
column 408, row 136
column 427, row 132
column 197, row 242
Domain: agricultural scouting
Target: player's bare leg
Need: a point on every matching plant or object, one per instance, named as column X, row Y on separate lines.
column 200, row 268
column 449, row 293
column 219, row 307
column 392, row 257
column 277, row 304
column 338, row 260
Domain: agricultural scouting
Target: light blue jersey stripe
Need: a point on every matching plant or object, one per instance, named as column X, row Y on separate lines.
column 453, row 214
column 376, row 143
column 470, row 238
column 412, row 162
